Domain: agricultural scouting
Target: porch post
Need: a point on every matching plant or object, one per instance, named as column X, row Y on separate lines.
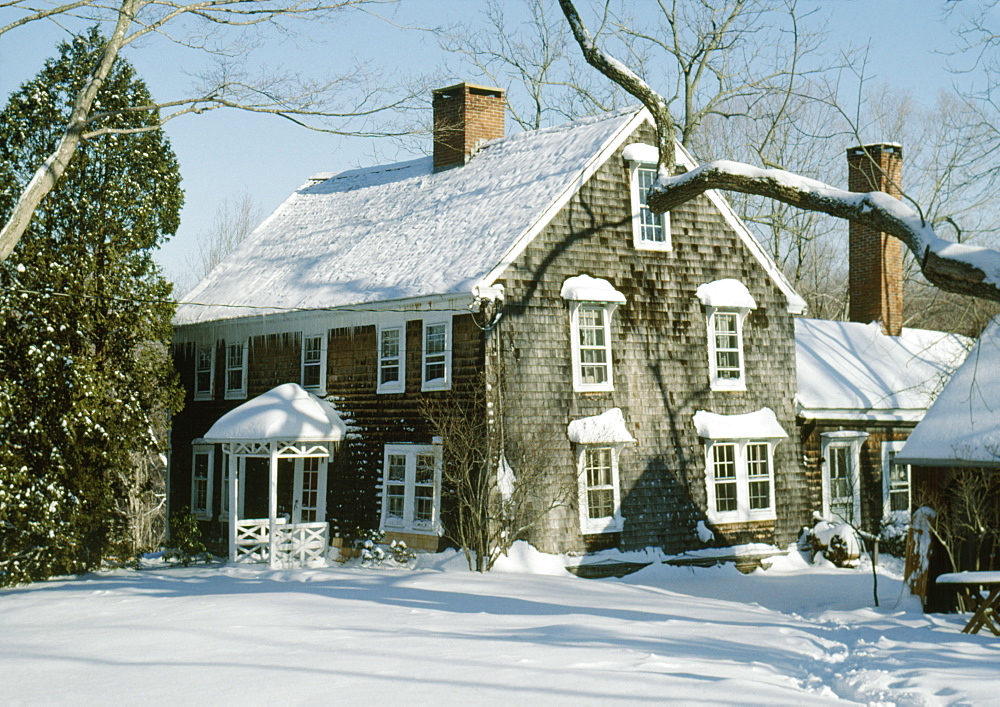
column 233, row 509
column 272, row 502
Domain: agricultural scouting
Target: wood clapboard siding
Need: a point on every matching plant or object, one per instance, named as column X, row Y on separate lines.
column 660, row 361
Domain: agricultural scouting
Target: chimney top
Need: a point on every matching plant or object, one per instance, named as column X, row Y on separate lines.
column 465, row 116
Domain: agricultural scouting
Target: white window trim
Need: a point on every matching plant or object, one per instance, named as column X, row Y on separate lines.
column 443, row 383
column 887, row 512
column 743, row 512
column 637, row 206
column 210, row 393
column 224, row 488
column 236, row 393
column 411, row 451
column 725, row 384
column 321, row 388
column 398, row 386
column 209, row 451
column 611, row 524
column 853, row 440
column 574, row 332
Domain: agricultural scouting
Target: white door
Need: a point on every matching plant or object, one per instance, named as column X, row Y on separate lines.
column 310, row 490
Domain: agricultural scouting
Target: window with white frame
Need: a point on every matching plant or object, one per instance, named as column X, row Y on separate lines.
column 727, row 303
column 392, row 359
column 201, row 480
column 224, row 489
column 436, row 364
column 236, row 371
column 895, row 483
column 841, row 452
column 650, row 231
column 411, row 489
column 599, row 492
column 740, row 476
column 314, row 363
column 204, row 372
column 592, row 302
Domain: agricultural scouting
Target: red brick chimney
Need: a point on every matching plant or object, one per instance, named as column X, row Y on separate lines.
column 876, row 259
column 465, row 116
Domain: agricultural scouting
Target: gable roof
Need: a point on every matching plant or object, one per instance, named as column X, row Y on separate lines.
column 962, row 427
column 851, row 371
column 402, row 231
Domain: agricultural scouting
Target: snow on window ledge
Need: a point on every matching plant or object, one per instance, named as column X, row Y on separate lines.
column 762, row 424
column 584, row 288
column 606, row 428
column 726, row 293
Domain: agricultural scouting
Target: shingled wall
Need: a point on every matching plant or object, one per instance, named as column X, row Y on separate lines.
column 660, row 360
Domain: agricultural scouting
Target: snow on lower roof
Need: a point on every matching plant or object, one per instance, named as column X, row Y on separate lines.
column 962, row 427
column 286, row 413
column 606, row 428
column 400, row 231
column 851, row 371
column 726, row 293
column 590, row 289
column 762, row 424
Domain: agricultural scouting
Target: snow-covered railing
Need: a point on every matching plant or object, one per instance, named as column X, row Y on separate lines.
column 301, row 544
column 253, row 539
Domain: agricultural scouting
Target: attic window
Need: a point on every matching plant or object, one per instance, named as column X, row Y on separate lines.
column 650, row 231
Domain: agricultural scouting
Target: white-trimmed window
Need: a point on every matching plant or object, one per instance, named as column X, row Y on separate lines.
column 202, row 468
column 896, row 488
column 841, row 452
column 392, row 359
column 592, row 302
column 204, row 372
column 314, row 363
column 236, row 371
column 740, row 480
column 436, row 363
column 411, row 489
column 224, row 489
column 727, row 304
column 650, row 231
column 599, row 493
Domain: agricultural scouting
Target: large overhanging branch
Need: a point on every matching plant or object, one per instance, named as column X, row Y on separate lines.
column 956, row 267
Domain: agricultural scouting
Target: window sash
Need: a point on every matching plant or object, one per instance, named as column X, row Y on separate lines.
column 740, row 481
column 203, row 369
column 727, row 346
column 235, row 369
column 312, row 362
column 598, row 492
column 651, row 225
column 436, row 355
column 593, row 345
column 389, row 361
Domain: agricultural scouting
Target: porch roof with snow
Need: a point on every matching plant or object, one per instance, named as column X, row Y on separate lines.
column 402, row 231
column 851, row 371
column 962, row 427
column 287, row 413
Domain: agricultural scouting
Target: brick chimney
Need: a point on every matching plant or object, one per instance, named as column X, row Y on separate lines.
column 876, row 259
column 465, row 116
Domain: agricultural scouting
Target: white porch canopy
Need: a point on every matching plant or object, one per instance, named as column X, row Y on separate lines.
column 286, row 422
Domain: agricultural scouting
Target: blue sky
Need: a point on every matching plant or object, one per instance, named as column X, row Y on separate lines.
column 226, row 153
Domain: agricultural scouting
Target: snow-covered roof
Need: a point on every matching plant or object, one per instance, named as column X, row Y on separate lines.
column 287, row 413
column 962, row 427
column 401, row 230
column 606, row 428
column 762, row 424
column 590, row 289
column 851, row 371
column 726, row 293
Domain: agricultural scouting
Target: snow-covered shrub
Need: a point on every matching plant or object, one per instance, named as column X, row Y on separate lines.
column 396, row 553
column 837, row 542
column 892, row 537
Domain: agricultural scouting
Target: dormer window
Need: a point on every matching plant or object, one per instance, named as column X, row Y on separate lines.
column 650, row 231
column 727, row 303
column 592, row 303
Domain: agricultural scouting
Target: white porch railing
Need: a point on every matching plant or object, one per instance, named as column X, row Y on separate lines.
column 296, row 545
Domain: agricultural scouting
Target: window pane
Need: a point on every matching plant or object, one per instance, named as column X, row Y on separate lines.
column 397, row 467
column 423, row 508
column 600, row 503
column 724, row 461
column 425, row 469
column 434, row 340
column 725, row 497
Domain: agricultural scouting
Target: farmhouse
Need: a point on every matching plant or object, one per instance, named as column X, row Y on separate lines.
column 645, row 364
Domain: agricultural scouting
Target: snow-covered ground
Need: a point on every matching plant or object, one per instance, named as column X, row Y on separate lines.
column 528, row 633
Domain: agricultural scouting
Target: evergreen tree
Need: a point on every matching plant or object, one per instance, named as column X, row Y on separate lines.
column 84, row 319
